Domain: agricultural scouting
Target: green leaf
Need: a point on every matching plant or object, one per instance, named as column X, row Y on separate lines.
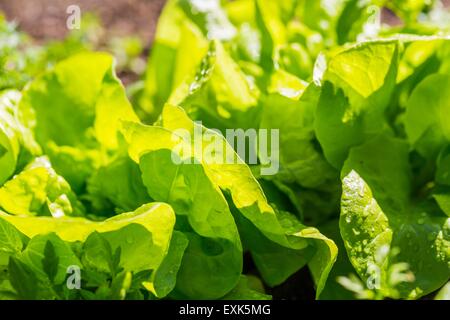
column 419, row 59
column 164, row 280
column 50, row 261
column 48, row 264
column 442, row 175
column 273, row 31
column 168, row 64
column 408, row 10
column 210, row 18
column 179, row 185
column 94, row 114
column 429, row 130
column 97, row 253
column 295, row 59
column 11, row 240
column 22, row 279
column 248, row 288
column 126, row 245
column 444, row 293
column 338, row 87
column 152, row 148
column 39, row 190
column 120, row 285
column 356, row 90
column 443, row 200
column 321, row 16
column 16, row 139
column 390, row 239
column 117, row 186
column 301, row 161
column 219, row 93
column 333, row 290
column 147, row 229
column 355, row 15
column 246, row 46
column 145, row 139
column 140, row 277
column 277, row 263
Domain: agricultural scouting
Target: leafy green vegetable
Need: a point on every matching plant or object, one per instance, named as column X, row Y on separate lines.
column 333, row 290
column 178, row 185
column 144, row 192
column 38, row 190
column 444, row 294
column 16, row 139
column 169, row 65
column 428, row 131
column 133, row 242
column 300, row 160
column 386, row 236
column 356, row 90
column 248, row 288
column 11, row 241
column 219, row 94
column 116, row 186
column 78, row 144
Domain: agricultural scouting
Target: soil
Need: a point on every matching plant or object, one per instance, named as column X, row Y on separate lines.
column 46, row 19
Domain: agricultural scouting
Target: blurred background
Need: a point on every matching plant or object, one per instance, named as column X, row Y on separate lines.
column 46, row 19
column 123, row 27
column 34, row 35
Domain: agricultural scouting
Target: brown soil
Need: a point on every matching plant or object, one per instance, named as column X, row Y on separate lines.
column 46, row 19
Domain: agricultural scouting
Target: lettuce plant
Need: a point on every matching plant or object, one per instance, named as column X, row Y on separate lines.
column 95, row 202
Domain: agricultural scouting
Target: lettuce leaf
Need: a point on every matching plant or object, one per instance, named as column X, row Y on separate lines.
column 389, row 238
column 38, row 190
column 152, row 148
column 135, row 242
column 428, row 131
column 17, row 144
column 78, row 144
column 356, row 89
column 219, row 93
